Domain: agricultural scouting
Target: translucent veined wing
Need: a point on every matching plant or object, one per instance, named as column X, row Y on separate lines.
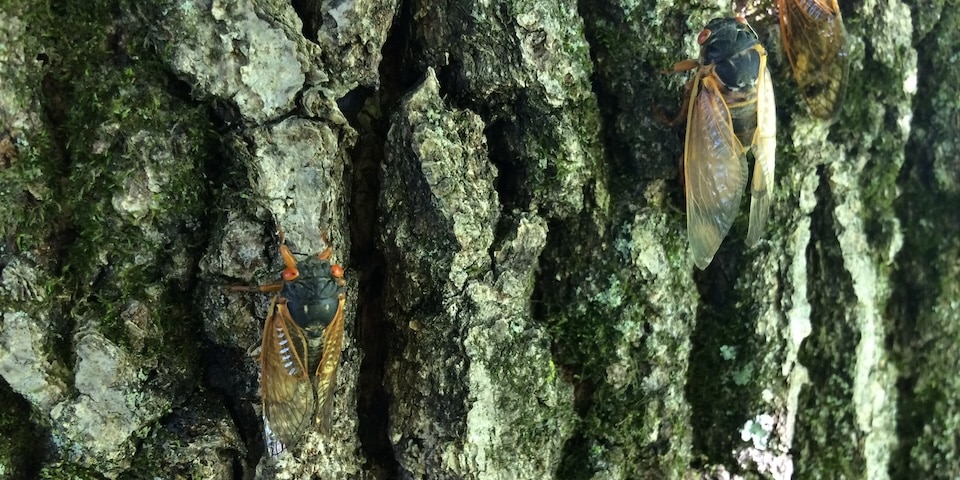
column 326, row 375
column 285, row 388
column 714, row 166
column 764, row 152
column 815, row 43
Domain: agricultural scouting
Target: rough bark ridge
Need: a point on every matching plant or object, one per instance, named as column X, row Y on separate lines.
column 491, row 175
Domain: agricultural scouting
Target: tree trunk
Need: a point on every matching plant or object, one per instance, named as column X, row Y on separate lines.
column 521, row 302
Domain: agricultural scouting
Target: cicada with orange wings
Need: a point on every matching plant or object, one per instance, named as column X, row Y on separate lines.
column 300, row 349
column 816, row 46
column 729, row 109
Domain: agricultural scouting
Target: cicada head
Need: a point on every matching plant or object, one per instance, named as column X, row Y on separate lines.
column 724, row 37
column 729, row 44
column 313, row 297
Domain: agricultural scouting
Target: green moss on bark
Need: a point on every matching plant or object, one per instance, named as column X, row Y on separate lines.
column 105, row 195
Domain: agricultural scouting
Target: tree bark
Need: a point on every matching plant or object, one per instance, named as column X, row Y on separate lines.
column 520, row 298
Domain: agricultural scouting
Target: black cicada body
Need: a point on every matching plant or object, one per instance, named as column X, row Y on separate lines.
column 729, row 109
column 300, row 349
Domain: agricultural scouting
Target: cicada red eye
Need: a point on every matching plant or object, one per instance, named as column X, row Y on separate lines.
column 336, row 271
column 704, row 35
column 290, row 274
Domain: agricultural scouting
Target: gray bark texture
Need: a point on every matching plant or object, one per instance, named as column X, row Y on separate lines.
column 521, row 303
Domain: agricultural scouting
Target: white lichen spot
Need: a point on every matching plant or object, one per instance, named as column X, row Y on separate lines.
column 910, row 82
column 764, row 451
column 24, row 363
column 767, row 395
column 742, row 376
column 544, row 37
column 112, row 404
column 649, row 254
column 728, row 352
column 904, row 123
column 236, row 55
column 757, row 431
column 339, row 14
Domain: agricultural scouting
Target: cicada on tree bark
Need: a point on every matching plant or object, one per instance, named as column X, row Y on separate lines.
column 729, row 109
column 300, row 349
column 816, row 46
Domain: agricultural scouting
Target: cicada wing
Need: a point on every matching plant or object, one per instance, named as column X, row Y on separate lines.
column 714, row 165
column 815, row 43
column 285, row 389
column 764, row 153
column 326, row 381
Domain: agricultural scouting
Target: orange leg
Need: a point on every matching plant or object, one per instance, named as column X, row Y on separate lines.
column 288, row 259
column 681, row 117
column 268, row 288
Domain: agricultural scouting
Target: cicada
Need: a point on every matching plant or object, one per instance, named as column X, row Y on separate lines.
column 300, row 349
column 729, row 109
column 815, row 43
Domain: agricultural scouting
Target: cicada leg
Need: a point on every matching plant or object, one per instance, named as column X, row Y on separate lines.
column 681, row 116
column 268, row 288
